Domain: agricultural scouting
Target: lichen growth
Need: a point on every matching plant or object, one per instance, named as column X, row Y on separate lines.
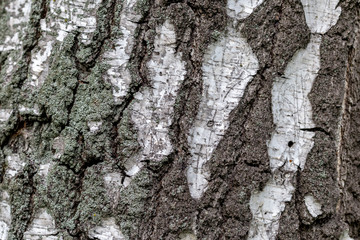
column 127, row 137
column 142, row 7
column 94, row 205
column 57, row 93
column 132, row 206
column 63, row 196
column 21, row 191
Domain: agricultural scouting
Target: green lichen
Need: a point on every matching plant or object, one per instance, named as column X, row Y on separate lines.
column 116, row 32
column 128, row 145
column 71, row 156
column 4, row 19
column 77, row 203
column 72, row 95
column 142, row 7
column 94, row 205
column 21, row 190
column 94, row 103
column 132, row 206
column 63, row 196
column 57, row 93
column 216, row 35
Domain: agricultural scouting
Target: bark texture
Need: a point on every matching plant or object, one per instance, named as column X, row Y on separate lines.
column 179, row 119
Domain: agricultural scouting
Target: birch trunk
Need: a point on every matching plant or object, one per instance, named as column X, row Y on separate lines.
column 193, row 119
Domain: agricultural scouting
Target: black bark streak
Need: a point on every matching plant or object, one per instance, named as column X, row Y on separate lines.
column 315, row 129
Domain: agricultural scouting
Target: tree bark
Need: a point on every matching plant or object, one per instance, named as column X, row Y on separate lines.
column 189, row 119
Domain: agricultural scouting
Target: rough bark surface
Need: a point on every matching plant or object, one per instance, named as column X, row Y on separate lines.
column 179, row 119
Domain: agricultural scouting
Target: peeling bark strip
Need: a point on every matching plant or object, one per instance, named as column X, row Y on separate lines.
column 228, row 67
column 291, row 142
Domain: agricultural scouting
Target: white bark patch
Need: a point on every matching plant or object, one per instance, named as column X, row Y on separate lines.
column 113, row 186
column 70, row 15
column 42, row 227
column 107, row 231
column 39, row 63
column 14, row 165
column 5, row 114
column 292, row 113
column 44, row 169
column 29, row 110
column 240, row 9
column 118, row 74
column 94, row 126
column 267, row 206
column 289, row 145
column 152, row 109
column 59, row 146
column 321, row 15
column 345, row 236
column 292, row 109
column 19, row 14
column 313, row 206
column 5, row 215
column 187, row 236
column 229, row 65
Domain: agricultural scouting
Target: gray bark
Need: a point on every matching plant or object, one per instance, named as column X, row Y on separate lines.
column 193, row 119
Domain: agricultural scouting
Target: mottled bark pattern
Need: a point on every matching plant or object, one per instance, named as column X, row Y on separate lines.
column 163, row 119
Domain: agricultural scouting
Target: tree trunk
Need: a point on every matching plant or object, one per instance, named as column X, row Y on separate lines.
column 188, row 119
